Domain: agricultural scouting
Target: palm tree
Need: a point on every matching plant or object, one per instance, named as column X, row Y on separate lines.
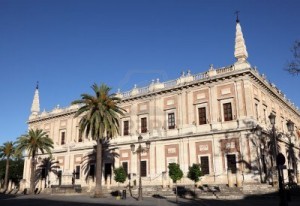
column 33, row 142
column 100, row 115
column 6, row 151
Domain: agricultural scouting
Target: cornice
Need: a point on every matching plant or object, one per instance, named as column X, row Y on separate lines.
column 273, row 90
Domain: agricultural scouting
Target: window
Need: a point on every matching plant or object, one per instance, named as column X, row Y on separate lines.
column 79, row 135
column 265, row 116
column 125, row 166
column 204, row 164
column 171, row 120
column 231, row 163
column 62, row 138
column 77, row 174
column 227, row 112
column 256, row 111
column 144, row 125
column 126, row 128
column 92, row 170
column 202, row 115
column 144, row 168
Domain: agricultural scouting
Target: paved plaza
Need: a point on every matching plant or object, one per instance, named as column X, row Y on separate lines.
column 80, row 200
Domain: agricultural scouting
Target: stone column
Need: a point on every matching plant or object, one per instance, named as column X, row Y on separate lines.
column 163, row 177
column 43, row 184
column 89, row 183
column 22, row 185
column 298, row 177
column 239, row 179
column 108, row 182
column 230, row 178
column 40, row 187
column 170, row 183
column 9, row 185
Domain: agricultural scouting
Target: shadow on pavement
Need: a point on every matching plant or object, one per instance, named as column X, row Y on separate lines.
column 156, row 200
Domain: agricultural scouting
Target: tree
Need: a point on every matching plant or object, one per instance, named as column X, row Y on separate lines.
column 293, row 66
column 33, row 142
column 16, row 169
column 6, row 151
column 175, row 174
column 16, row 166
column 120, row 175
column 194, row 174
column 100, row 119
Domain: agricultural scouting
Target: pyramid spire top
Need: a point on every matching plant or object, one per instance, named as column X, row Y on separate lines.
column 35, row 107
column 240, row 51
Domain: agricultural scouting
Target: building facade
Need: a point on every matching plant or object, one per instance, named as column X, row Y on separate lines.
column 208, row 118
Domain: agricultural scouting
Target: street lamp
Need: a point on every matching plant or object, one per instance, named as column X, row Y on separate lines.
column 280, row 160
column 139, row 151
column 258, row 130
column 272, row 118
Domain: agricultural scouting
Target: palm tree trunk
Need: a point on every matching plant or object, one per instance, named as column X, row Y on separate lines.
column 6, row 174
column 98, row 188
column 32, row 175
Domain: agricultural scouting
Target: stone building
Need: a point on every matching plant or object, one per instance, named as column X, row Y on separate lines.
column 207, row 118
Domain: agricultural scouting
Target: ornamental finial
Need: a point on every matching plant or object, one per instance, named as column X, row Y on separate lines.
column 237, row 16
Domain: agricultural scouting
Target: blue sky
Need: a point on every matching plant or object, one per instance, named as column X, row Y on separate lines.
column 67, row 45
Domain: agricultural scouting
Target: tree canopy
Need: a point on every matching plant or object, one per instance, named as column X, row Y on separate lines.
column 120, row 175
column 175, row 172
column 194, row 173
column 293, row 66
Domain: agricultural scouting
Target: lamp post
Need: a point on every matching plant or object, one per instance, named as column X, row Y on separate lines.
column 139, row 151
column 280, row 160
column 258, row 132
column 290, row 126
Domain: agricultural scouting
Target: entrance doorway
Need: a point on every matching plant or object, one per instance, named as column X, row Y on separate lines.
column 231, row 162
column 107, row 172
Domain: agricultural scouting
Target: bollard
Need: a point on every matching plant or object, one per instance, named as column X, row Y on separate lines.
column 124, row 194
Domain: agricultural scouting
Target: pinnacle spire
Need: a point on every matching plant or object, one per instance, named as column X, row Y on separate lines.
column 35, row 108
column 240, row 51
